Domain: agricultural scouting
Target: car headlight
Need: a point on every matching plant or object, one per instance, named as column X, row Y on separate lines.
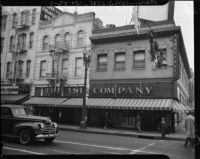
column 41, row 125
column 55, row 125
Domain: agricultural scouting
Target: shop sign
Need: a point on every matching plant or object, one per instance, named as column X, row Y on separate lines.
column 129, row 90
column 9, row 89
column 59, row 92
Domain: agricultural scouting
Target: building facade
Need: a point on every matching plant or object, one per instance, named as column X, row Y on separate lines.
column 18, row 42
column 145, row 74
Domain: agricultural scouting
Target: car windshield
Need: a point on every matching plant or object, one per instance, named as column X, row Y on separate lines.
column 18, row 111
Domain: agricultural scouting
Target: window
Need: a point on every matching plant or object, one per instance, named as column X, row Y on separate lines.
column 120, row 60
column 33, row 16
column 22, row 41
column 53, row 68
column 67, row 39
column 14, row 22
column 64, row 67
column 139, row 59
column 80, row 38
column 12, row 44
column 3, row 22
column 24, row 17
column 43, row 68
column 28, row 67
column 8, row 69
column 45, row 43
column 20, row 64
column 2, row 45
column 78, row 66
column 57, row 41
column 31, row 40
column 102, row 62
column 161, row 59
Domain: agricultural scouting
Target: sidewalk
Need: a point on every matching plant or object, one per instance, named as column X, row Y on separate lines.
column 123, row 132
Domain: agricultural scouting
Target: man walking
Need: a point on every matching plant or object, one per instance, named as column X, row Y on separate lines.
column 138, row 123
column 190, row 129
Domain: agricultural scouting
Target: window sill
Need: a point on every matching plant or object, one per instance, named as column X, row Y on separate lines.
column 138, row 68
column 115, row 69
column 97, row 70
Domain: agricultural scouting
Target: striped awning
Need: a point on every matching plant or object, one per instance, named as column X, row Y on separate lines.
column 100, row 103
column 180, row 108
column 13, row 98
column 73, row 102
column 42, row 101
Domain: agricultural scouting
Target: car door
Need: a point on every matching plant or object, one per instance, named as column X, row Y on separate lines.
column 6, row 121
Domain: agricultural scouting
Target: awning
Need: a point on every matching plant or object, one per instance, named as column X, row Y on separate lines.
column 42, row 101
column 73, row 102
column 13, row 98
column 180, row 108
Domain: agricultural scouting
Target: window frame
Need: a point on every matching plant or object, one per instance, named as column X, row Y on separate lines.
column 76, row 68
column 117, row 62
column 67, row 42
column 14, row 21
column 2, row 44
column 31, row 37
column 99, row 64
column 3, row 22
column 8, row 69
column 45, row 45
column 42, row 69
column 28, row 69
column 64, row 68
column 138, row 61
column 80, row 38
column 33, row 16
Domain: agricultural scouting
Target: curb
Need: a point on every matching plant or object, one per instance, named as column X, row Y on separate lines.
column 124, row 134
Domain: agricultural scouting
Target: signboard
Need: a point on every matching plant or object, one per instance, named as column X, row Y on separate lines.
column 132, row 90
column 9, row 89
column 68, row 92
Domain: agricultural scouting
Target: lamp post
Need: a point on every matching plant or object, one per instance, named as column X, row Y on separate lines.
column 86, row 60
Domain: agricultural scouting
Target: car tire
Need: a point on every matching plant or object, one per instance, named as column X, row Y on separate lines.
column 25, row 137
column 50, row 140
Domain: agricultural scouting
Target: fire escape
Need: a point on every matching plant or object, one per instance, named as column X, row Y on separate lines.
column 18, row 49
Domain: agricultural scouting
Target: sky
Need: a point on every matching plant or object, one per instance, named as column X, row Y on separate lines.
column 121, row 15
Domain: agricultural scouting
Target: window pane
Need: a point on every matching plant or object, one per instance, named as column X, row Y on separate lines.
column 64, row 67
column 78, row 66
column 139, row 56
column 120, row 57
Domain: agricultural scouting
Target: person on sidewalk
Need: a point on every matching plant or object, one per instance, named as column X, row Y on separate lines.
column 106, row 120
column 163, row 127
column 190, row 129
column 138, row 123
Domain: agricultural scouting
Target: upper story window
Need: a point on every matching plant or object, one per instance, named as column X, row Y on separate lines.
column 22, row 41
column 139, row 59
column 33, row 16
column 57, row 41
column 45, row 43
column 78, row 66
column 161, row 58
column 24, row 17
column 8, row 69
column 80, row 38
column 31, row 40
column 120, row 61
column 64, row 67
column 102, row 62
column 67, row 39
column 28, row 68
column 3, row 22
column 20, row 65
column 43, row 68
column 12, row 43
column 2, row 45
column 14, row 22
column 53, row 68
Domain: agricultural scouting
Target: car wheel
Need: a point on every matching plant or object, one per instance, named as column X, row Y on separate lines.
column 50, row 140
column 25, row 137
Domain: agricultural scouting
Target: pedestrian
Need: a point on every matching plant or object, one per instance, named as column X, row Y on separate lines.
column 107, row 120
column 138, row 123
column 190, row 129
column 163, row 127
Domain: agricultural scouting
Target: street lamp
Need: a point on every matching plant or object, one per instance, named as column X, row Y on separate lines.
column 86, row 60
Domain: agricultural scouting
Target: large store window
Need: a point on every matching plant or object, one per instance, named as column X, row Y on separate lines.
column 28, row 67
column 43, row 68
column 78, row 66
column 45, row 43
column 102, row 62
column 139, row 59
column 120, row 61
column 80, row 38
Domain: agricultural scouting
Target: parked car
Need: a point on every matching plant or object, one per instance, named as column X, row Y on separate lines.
column 16, row 122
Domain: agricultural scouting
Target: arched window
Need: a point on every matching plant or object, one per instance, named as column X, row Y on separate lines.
column 45, row 43
column 8, row 69
column 12, row 44
column 57, row 41
column 67, row 39
column 80, row 38
column 22, row 41
column 28, row 68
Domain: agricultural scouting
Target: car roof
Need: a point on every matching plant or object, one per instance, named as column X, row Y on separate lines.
column 12, row 105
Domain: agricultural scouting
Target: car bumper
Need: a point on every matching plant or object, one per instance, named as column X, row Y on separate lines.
column 45, row 136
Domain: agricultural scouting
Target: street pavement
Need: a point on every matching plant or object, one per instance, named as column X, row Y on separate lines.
column 74, row 142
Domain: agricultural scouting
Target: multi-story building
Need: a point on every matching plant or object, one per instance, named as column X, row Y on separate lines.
column 59, row 69
column 145, row 74
column 18, row 43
